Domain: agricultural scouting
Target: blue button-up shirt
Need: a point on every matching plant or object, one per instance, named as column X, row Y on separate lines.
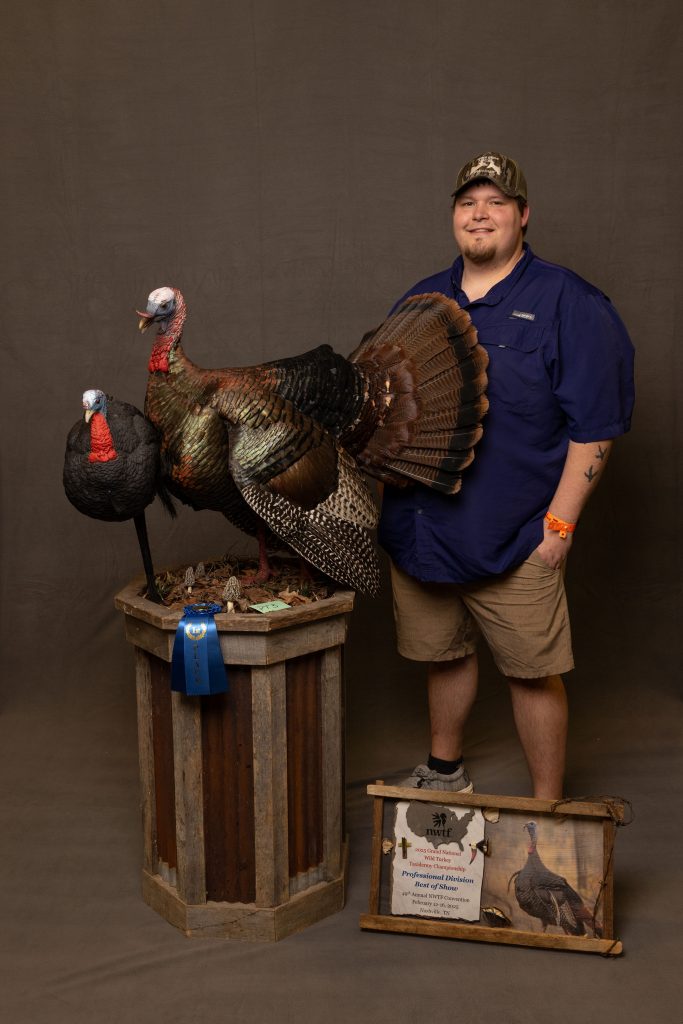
column 560, row 369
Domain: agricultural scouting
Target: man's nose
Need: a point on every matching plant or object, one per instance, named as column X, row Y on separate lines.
column 480, row 212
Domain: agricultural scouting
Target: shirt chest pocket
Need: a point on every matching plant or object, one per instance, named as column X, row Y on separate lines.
column 517, row 373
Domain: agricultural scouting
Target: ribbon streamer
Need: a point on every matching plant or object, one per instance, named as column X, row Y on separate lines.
column 197, row 667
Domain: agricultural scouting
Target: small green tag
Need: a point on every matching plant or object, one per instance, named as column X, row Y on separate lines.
column 269, row 606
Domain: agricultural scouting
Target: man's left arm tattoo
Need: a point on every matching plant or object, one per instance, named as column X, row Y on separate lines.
column 590, row 474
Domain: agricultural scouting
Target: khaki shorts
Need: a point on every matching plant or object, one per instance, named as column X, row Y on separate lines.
column 522, row 615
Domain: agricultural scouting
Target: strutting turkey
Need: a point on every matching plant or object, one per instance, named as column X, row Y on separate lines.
column 111, row 468
column 284, row 443
column 549, row 897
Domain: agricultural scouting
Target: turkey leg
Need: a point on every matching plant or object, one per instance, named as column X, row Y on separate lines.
column 263, row 574
column 141, row 528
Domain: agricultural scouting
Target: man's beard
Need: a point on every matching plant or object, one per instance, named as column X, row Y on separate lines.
column 480, row 253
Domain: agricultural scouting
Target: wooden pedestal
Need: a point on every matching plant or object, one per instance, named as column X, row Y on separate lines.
column 242, row 793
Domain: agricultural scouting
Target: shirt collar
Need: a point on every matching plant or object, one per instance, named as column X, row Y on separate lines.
column 500, row 290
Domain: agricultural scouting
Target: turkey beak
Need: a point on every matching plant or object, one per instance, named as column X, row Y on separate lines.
column 88, row 415
column 144, row 321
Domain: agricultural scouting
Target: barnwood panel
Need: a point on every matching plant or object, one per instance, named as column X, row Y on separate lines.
column 609, row 830
column 146, row 758
column 244, row 922
column 477, row 933
column 187, row 746
column 295, row 769
column 150, row 639
column 163, row 898
column 162, row 743
column 229, row 792
column 309, row 906
column 304, row 768
column 247, row 648
column 376, row 852
column 332, row 735
column 269, row 716
column 131, row 603
column 578, row 808
column 313, row 775
column 270, row 648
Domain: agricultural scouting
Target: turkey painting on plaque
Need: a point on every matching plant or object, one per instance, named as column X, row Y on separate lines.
column 280, row 448
column 545, row 875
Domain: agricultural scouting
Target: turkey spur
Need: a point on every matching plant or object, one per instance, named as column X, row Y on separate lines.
column 283, row 445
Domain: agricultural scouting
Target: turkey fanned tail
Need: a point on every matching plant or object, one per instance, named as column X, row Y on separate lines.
column 426, row 376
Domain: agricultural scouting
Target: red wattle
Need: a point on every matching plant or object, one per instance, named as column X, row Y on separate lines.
column 158, row 359
column 101, row 443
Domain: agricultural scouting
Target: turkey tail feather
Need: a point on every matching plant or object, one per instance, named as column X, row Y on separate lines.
column 426, row 374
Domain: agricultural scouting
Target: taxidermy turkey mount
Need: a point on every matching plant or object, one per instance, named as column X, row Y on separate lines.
column 112, row 468
column 280, row 448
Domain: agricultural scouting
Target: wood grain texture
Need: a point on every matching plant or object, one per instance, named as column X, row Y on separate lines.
column 162, row 744
column 577, row 808
column 149, row 638
column 189, row 802
column 270, row 648
column 131, row 603
column 376, row 851
column 244, row 922
column 304, row 768
column 250, row 648
column 609, row 830
column 146, row 758
column 477, row 933
column 269, row 714
column 332, row 757
column 312, row 781
column 227, row 749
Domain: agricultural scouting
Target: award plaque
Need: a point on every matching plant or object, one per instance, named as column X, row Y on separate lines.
column 490, row 868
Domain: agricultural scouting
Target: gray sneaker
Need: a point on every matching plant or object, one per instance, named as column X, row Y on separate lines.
column 425, row 778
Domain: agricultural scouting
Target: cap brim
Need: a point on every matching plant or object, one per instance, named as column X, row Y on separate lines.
column 479, row 177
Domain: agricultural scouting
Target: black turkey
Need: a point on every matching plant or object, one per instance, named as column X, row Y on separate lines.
column 549, row 897
column 111, row 468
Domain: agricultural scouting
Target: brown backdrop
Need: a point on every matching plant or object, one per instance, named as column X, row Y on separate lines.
column 288, row 165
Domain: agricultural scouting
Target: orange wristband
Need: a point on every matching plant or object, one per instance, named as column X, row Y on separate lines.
column 559, row 525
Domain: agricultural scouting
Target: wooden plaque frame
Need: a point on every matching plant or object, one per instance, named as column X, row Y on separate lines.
column 606, row 814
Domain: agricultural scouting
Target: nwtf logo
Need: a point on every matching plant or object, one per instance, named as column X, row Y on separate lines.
column 439, row 822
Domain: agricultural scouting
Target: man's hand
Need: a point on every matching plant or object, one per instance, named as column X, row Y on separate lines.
column 553, row 549
column 583, row 468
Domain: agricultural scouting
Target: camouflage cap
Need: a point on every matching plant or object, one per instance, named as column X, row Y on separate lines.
column 499, row 169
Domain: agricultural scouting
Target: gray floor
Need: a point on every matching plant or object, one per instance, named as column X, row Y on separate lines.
column 78, row 943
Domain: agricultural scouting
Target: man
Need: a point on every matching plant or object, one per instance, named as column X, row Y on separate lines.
column 491, row 559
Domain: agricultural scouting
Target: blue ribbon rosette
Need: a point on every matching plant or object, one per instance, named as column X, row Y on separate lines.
column 197, row 667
